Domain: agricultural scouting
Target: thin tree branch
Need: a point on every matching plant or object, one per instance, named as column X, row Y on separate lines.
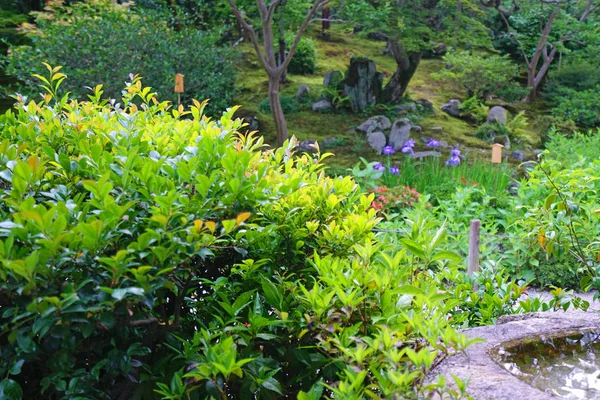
column 317, row 5
column 249, row 30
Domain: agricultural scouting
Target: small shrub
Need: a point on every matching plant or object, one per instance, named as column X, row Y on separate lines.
column 288, row 103
column 489, row 130
column 393, row 200
column 474, row 109
column 480, row 76
column 582, row 107
column 304, row 61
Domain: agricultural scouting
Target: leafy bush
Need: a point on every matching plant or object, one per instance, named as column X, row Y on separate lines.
column 101, row 42
column 480, row 76
column 288, row 103
column 144, row 255
column 474, row 109
column 488, row 130
column 568, row 150
column 582, row 107
column 577, row 75
column 304, row 61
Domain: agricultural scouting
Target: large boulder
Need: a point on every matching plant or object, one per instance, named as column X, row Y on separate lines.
column 363, row 83
column 498, row 115
column 424, row 105
column 452, row 108
column 377, row 141
column 333, row 79
column 400, row 133
column 410, row 107
column 322, row 106
column 376, row 123
column 303, row 90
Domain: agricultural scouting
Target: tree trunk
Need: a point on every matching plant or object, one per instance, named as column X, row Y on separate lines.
column 276, row 110
column 406, row 66
column 282, row 46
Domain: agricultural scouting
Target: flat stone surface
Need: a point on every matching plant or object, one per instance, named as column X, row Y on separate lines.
column 488, row 380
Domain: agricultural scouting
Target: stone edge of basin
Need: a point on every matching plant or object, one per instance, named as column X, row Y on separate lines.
column 489, row 381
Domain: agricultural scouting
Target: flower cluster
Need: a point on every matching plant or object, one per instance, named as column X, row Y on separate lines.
column 388, row 150
column 433, row 143
column 454, row 159
column 395, row 199
column 408, row 146
column 394, row 170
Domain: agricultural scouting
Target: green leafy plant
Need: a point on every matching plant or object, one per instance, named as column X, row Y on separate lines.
column 288, row 103
column 480, row 76
column 151, row 252
column 304, row 61
column 139, row 43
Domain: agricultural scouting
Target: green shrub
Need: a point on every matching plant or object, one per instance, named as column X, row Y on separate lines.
column 146, row 255
column 288, row 103
column 474, row 109
column 582, row 107
column 304, row 61
column 578, row 75
column 479, row 75
column 100, row 42
column 489, row 130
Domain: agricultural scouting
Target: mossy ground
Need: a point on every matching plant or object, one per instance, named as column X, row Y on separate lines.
column 334, row 53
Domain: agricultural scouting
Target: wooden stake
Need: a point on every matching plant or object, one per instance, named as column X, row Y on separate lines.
column 178, row 87
column 473, row 259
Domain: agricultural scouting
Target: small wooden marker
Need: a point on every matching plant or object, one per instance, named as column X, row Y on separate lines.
column 497, row 153
column 178, row 87
column 473, row 257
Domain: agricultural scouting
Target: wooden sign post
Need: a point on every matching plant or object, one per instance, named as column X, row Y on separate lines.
column 496, row 159
column 178, row 87
column 497, row 153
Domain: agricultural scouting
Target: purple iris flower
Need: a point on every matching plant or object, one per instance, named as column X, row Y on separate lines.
column 455, row 152
column 388, row 150
column 379, row 167
column 408, row 146
column 433, row 143
column 395, row 170
column 453, row 161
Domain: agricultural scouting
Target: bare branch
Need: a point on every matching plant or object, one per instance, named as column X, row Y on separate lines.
column 249, row 30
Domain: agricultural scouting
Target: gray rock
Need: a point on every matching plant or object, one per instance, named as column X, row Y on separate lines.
column 437, row 129
column 489, row 380
column 307, row 146
column 452, row 108
column 497, row 114
column 400, row 133
column 303, row 90
column 426, row 105
column 445, row 145
column 321, row 106
column 377, row 141
column 423, row 154
column 410, row 107
column 363, row 84
column 416, row 128
column 517, row 155
column 376, row 123
column 333, row 78
column 513, row 188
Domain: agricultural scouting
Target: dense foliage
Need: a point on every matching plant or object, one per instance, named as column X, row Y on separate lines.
column 149, row 256
column 101, row 42
column 480, row 76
